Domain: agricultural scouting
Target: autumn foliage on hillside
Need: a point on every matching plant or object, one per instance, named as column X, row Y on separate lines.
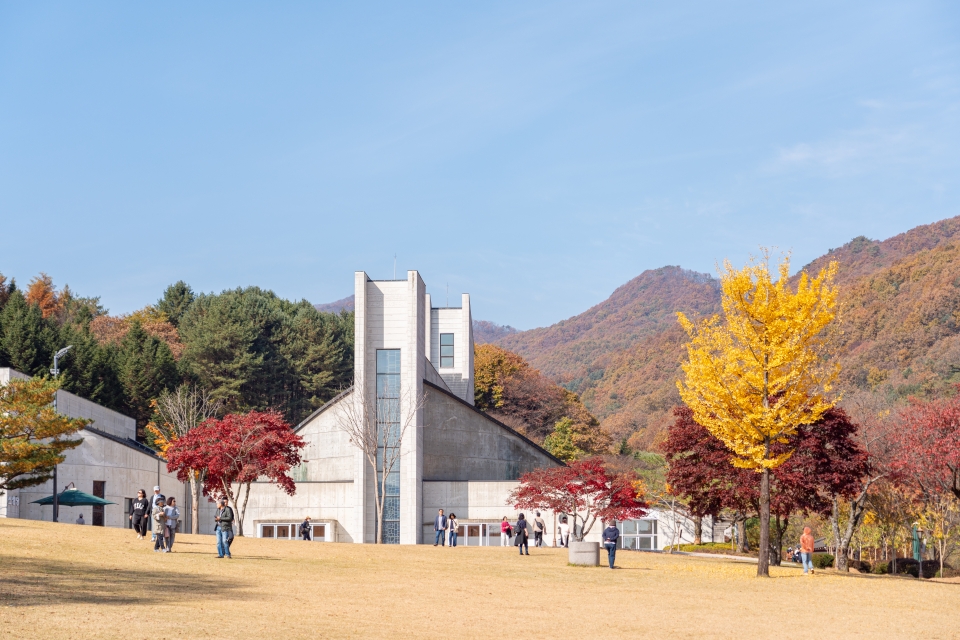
column 899, row 302
column 510, row 390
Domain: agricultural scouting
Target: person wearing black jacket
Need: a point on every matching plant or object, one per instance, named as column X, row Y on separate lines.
column 224, row 528
column 305, row 529
column 610, row 537
column 140, row 516
column 522, row 535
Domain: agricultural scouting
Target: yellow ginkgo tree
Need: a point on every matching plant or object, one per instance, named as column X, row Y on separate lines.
column 764, row 368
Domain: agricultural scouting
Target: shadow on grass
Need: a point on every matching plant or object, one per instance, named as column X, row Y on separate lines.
column 31, row 582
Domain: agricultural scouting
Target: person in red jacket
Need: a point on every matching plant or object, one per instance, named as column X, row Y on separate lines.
column 806, row 549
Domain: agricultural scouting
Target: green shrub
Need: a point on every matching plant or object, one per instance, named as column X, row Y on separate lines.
column 822, row 560
column 880, row 569
column 707, row 547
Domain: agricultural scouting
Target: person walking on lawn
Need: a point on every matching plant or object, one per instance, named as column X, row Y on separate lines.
column 564, row 531
column 610, row 537
column 539, row 526
column 522, row 534
column 140, row 518
column 806, row 549
column 153, row 505
column 159, row 518
column 172, row 514
column 505, row 532
column 440, row 529
column 305, row 529
column 452, row 525
column 224, row 528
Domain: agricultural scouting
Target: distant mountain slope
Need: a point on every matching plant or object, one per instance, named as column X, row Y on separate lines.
column 485, row 332
column 901, row 330
column 577, row 351
column 345, row 304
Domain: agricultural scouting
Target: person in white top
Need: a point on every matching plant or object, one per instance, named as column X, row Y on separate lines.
column 564, row 532
column 452, row 525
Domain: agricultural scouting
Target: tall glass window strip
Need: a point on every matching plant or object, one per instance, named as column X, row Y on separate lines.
column 446, row 350
column 388, row 434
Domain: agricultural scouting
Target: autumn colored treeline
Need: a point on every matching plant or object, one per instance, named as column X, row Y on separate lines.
column 247, row 347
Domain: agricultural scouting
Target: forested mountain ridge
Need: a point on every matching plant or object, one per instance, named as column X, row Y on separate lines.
column 900, row 315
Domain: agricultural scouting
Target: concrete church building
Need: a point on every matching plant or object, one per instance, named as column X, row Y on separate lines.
column 452, row 456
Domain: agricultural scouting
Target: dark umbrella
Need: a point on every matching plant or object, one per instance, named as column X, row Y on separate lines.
column 74, row 498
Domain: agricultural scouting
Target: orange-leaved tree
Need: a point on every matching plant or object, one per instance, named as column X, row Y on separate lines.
column 764, row 369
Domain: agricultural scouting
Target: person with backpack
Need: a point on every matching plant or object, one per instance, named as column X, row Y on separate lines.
column 305, row 529
column 522, row 534
column 539, row 526
column 224, row 528
column 140, row 516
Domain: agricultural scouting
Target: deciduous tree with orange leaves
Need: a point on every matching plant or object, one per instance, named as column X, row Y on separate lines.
column 763, row 369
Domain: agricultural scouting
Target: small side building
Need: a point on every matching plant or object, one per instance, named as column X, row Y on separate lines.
column 109, row 463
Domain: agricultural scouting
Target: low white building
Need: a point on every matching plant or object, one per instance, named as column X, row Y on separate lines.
column 109, row 464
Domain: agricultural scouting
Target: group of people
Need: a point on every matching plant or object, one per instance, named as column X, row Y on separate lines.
column 446, row 529
column 158, row 516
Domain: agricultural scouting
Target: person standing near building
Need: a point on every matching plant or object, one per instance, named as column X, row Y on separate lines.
column 611, row 535
column 452, row 525
column 140, row 516
column 806, row 549
column 173, row 516
column 80, row 519
column 564, row 532
column 522, row 534
column 440, row 529
column 505, row 532
column 539, row 526
column 159, row 518
column 224, row 528
column 305, row 529
column 153, row 505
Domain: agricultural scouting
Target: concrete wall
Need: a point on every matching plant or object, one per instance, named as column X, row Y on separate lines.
column 459, row 322
column 103, row 419
column 461, row 443
column 124, row 470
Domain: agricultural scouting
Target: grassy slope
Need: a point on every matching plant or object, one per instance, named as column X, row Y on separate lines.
column 901, row 330
column 64, row 581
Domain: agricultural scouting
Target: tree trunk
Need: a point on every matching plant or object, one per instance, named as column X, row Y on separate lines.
column 763, row 553
column 195, row 507
column 741, row 523
column 698, row 530
column 779, row 530
column 243, row 509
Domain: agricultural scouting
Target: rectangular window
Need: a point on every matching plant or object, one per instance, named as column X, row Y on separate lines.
column 446, row 350
column 388, row 432
column 638, row 534
column 319, row 532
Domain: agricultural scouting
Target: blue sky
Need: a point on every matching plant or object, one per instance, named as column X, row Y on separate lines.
column 535, row 155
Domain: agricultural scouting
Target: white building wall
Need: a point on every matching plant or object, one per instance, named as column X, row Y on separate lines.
column 103, row 419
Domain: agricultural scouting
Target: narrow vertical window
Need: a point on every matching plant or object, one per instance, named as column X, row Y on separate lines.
column 388, row 428
column 446, row 350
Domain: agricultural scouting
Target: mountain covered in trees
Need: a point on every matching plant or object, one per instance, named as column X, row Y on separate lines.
column 247, row 347
column 900, row 315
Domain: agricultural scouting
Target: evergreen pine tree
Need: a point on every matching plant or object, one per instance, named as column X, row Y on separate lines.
column 26, row 339
column 146, row 367
column 175, row 301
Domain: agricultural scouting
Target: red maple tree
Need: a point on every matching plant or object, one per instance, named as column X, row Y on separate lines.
column 584, row 490
column 928, row 451
column 827, row 464
column 237, row 450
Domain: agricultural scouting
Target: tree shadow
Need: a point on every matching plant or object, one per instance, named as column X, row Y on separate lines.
column 29, row 582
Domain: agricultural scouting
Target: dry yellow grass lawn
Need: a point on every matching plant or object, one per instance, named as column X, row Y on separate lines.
column 65, row 581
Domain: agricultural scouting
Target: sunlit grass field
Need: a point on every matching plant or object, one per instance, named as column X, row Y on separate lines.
column 67, row 581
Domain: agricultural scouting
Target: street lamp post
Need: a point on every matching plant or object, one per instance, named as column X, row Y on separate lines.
column 56, row 371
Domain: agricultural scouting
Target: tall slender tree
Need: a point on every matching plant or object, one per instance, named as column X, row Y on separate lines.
column 752, row 378
column 146, row 367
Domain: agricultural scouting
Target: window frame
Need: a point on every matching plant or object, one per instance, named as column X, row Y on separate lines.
column 453, row 351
